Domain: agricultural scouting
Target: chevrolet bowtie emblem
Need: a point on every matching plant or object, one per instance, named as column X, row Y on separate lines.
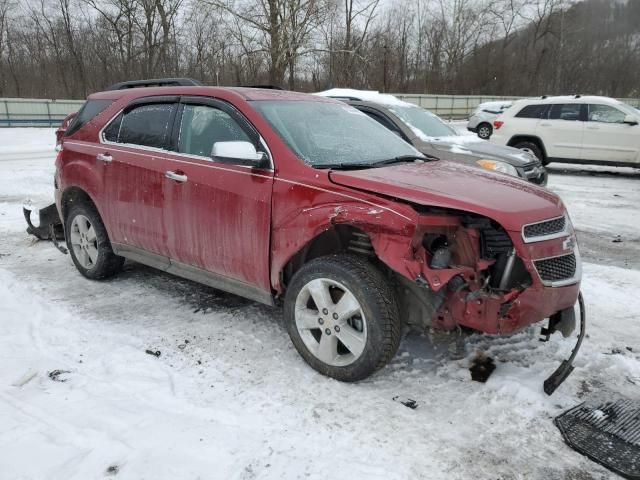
column 569, row 244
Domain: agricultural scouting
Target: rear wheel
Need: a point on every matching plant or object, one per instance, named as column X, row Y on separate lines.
column 342, row 317
column 484, row 131
column 89, row 244
column 533, row 149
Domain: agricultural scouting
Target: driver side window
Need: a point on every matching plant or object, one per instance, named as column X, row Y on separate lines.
column 605, row 114
column 202, row 126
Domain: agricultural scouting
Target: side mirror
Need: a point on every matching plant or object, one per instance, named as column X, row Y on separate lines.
column 630, row 120
column 244, row 152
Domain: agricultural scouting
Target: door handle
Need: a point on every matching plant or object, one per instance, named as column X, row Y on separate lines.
column 544, row 124
column 593, row 127
column 104, row 157
column 177, row 176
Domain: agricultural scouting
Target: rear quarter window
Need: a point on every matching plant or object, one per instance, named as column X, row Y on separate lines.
column 89, row 110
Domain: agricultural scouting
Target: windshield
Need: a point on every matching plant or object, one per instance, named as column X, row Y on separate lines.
column 426, row 123
column 332, row 134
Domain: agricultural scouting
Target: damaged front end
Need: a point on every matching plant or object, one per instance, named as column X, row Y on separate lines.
column 467, row 271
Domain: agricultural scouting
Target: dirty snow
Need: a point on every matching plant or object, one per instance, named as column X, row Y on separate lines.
column 229, row 397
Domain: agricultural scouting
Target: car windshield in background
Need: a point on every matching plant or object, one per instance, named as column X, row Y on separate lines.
column 429, row 124
column 333, row 134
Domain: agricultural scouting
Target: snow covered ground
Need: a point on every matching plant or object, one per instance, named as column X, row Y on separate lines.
column 229, row 397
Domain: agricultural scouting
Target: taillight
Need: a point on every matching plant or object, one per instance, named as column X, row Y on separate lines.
column 497, row 124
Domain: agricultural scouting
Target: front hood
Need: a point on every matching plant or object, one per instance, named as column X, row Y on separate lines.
column 466, row 145
column 508, row 200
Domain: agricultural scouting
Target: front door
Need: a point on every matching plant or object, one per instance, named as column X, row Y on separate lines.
column 608, row 138
column 218, row 211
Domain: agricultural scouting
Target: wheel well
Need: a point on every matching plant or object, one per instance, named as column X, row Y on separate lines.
column 337, row 239
column 527, row 138
column 72, row 196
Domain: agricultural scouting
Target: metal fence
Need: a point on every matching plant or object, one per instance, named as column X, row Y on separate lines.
column 33, row 112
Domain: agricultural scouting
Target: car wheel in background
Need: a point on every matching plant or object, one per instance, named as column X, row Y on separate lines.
column 342, row 317
column 485, row 131
column 533, row 149
column 89, row 244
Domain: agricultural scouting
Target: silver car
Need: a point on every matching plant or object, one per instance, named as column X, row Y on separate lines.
column 481, row 119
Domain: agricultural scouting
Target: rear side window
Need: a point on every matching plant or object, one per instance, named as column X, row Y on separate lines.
column 532, row 111
column 90, row 109
column 565, row 111
column 146, row 125
column 202, row 126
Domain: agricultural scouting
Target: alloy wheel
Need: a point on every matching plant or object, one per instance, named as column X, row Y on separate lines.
column 331, row 322
column 84, row 241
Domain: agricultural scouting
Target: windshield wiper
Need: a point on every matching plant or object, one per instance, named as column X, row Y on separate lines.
column 401, row 159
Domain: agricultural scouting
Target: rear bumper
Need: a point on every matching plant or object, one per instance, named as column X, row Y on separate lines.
column 472, row 129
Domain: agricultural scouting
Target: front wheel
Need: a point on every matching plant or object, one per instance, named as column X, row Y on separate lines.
column 342, row 317
column 484, row 131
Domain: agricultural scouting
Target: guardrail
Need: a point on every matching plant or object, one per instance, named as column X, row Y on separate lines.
column 34, row 112
column 460, row 106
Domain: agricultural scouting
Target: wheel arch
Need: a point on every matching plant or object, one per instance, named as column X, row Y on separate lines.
column 337, row 238
column 73, row 195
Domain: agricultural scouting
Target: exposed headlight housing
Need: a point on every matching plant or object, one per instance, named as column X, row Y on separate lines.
column 498, row 166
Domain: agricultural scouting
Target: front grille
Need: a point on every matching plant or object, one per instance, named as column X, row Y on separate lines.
column 542, row 229
column 557, row 268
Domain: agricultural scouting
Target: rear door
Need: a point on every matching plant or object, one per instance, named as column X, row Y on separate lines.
column 134, row 147
column 608, row 138
column 563, row 130
column 218, row 214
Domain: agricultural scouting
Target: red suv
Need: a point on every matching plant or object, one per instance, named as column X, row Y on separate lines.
column 286, row 197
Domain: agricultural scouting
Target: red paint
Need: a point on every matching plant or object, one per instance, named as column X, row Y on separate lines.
column 248, row 223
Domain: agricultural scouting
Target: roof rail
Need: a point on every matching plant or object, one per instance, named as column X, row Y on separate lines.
column 544, row 96
column 578, row 96
column 156, row 82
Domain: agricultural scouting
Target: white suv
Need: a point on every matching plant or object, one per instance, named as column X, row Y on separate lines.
column 572, row 129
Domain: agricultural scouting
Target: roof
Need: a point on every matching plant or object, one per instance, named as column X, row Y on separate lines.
column 364, row 95
column 245, row 93
column 570, row 99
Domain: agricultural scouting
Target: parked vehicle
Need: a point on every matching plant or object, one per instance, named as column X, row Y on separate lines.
column 482, row 117
column 435, row 138
column 572, row 129
column 287, row 197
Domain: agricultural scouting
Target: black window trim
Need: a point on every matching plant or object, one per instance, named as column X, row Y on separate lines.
column 544, row 113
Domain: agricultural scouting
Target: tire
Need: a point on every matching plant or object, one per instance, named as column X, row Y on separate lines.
column 534, row 149
column 89, row 244
column 370, row 328
column 485, row 130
